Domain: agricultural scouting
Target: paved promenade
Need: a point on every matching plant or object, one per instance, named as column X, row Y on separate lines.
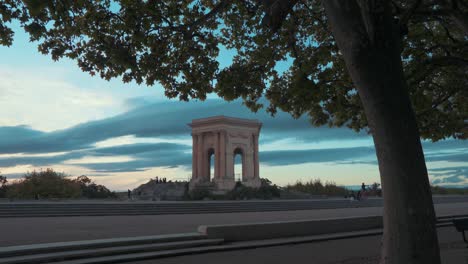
column 363, row 250
column 30, row 230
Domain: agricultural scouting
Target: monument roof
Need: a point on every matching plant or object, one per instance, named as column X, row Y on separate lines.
column 221, row 119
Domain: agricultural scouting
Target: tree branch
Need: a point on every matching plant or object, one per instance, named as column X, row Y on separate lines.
column 409, row 12
column 275, row 12
column 446, row 61
column 219, row 7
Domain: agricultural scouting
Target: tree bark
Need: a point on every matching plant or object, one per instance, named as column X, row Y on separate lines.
column 369, row 41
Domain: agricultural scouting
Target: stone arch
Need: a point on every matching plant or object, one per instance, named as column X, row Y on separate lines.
column 239, row 151
column 211, row 154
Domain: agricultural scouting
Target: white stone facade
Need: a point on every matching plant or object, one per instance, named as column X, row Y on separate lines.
column 224, row 137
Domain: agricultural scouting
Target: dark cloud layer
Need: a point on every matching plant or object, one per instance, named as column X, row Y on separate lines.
column 290, row 157
column 170, row 119
column 449, row 175
column 163, row 119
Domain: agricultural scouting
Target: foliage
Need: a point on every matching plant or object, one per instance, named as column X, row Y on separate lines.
column 44, row 184
column 374, row 190
column 266, row 191
column 316, row 187
column 447, row 190
column 199, row 194
column 92, row 190
column 51, row 184
column 3, row 186
column 177, row 43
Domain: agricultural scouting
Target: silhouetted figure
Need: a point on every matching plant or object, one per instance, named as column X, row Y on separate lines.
column 362, row 192
column 36, row 196
column 164, row 180
column 157, row 180
column 129, row 193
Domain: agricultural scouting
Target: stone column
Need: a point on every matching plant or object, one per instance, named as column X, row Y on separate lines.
column 256, row 159
column 200, row 157
column 245, row 166
column 222, row 155
column 194, row 156
column 216, row 156
column 248, row 164
column 229, row 162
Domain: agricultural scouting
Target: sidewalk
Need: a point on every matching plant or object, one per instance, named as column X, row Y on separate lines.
column 363, row 250
column 32, row 230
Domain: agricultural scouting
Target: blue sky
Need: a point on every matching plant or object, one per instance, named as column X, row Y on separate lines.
column 121, row 135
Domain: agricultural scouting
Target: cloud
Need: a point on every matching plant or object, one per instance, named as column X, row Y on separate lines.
column 148, row 155
column 450, row 174
column 145, row 155
column 450, row 180
column 17, row 133
column 44, row 100
column 168, row 121
column 141, row 148
column 163, row 120
column 290, row 157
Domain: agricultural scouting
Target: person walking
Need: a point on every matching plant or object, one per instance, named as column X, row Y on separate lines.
column 363, row 191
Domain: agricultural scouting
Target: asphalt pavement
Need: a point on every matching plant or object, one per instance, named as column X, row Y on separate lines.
column 31, row 230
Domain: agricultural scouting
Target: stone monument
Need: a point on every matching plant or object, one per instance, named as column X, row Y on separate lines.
column 224, row 137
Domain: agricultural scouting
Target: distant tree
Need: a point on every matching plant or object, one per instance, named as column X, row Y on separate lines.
column 43, row 184
column 396, row 68
column 83, row 180
column 51, row 184
column 316, row 187
column 449, row 190
column 3, row 186
column 91, row 190
column 3, row 181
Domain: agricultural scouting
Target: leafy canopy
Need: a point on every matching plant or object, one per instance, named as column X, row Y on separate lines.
column 51, row 184
column 177, row 43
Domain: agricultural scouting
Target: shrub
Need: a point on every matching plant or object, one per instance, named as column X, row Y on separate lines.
column 240, row 192
column 44, row 184
column 447, row 190
column 92, row 190
column 199, row 194
column 266, row 191
column 3, row 186
column 316, row 187
column 51, row 184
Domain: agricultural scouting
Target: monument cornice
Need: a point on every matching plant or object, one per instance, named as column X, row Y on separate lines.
column 225, row 120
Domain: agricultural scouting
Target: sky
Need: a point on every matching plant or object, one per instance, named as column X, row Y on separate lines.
column 55, row 116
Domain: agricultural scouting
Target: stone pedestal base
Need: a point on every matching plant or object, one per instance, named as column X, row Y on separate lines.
column 253, row 183
column 224, row 184
column 197, row 183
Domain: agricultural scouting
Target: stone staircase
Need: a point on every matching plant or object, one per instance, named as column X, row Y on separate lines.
column 96, row 208
column 106, row 250
column 208, row 239
column 129, row 208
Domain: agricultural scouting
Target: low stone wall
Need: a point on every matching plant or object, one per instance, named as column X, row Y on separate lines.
column 270, row 230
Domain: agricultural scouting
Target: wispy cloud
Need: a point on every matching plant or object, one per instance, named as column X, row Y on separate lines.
column 155, row 135
column 47, row 102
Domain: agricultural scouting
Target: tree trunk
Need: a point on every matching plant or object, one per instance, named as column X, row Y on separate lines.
column 369, row 40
